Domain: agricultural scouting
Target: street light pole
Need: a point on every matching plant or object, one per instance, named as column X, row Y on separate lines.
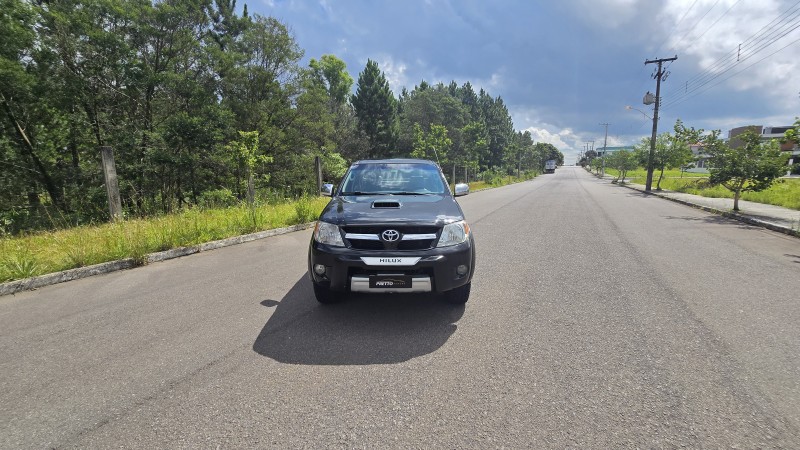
column 651, row 156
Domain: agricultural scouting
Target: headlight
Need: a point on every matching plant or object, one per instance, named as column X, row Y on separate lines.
column 328, row 234
column 453, row 234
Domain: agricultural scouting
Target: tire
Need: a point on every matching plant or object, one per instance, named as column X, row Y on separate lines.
column 325, row 295
column 459, row 295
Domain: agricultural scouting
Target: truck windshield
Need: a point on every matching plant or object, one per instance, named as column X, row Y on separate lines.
column 393, row 179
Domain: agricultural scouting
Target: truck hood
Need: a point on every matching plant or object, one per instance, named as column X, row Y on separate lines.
column 392, row 209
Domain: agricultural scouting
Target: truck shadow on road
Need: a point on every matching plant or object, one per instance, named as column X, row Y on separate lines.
column 364, row 329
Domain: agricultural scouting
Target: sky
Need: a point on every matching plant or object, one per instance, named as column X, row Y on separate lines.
column 563, row 68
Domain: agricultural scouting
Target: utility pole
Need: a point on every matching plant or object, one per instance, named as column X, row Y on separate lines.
column 658, row 75
column 605, row 141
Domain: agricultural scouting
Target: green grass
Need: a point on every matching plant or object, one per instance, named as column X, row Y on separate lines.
column 642, row 173
column 54, row 251
column 785, row 193
column 500, row 181
column 47, row 252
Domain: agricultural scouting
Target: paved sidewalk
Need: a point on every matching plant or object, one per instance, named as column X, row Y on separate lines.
column 775, row 218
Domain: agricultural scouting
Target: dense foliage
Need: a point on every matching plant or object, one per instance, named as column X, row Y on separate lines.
column 205, row 103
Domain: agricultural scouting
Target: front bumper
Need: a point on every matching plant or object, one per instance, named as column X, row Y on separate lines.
column 436, row 270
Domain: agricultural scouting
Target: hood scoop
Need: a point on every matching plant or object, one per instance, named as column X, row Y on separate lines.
column 383, row 204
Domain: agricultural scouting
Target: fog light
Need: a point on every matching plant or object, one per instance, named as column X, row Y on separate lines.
column 462, row 270
column 319, row 269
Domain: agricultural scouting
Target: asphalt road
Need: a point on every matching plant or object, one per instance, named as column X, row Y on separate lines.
column 599, row 318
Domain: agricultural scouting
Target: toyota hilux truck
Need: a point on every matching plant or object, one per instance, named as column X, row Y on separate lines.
column 392, row 226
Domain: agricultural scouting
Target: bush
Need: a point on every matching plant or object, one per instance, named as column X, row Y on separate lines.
column 493, row 177
column 218, row 198
column 306, row 211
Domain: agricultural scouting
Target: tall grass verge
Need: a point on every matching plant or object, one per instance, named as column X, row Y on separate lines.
column 47, row 252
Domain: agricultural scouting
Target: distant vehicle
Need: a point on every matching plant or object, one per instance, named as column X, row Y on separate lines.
column 392, row 226
column 550, row 166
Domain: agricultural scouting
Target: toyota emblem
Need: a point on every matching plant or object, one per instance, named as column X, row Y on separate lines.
column 390, row 235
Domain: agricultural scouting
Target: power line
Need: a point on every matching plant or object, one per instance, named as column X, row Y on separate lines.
column 736, row 73
column 756, row 43
column 658, row 49
column 716, row 21
column 693, row 27
column 758, row 36
column 676, row 25
column 708, row 80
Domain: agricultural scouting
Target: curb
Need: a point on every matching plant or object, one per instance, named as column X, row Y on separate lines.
column 27, row 284
column 727, row 214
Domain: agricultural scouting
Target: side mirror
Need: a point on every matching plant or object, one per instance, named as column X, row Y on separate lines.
column 461, row 189
column 327, row 189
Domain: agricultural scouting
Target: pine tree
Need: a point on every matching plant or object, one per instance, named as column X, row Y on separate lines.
column 375, row 107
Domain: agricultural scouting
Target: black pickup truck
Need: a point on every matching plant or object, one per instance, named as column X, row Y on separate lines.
column 392, row 226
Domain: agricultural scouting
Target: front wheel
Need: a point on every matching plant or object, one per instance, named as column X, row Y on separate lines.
column 325, row 295
column 459, row 295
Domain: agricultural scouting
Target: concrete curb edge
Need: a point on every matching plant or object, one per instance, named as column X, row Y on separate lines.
column 12, row 287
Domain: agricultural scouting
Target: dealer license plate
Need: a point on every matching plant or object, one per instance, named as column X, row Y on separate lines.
column 389, row 282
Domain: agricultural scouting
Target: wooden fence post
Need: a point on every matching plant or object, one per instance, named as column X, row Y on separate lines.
column 318, row 171
column 112, row 184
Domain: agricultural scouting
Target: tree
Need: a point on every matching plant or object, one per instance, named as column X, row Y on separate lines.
column 521, row 151
column 246, row 149
column 433, row 145
column 499, row 126
column 545, row 152
column 662, row 154
column 793, row 135
column 430, row 106
column 623, row 161
column 332, row 72
column 588, row 157
column 754, row 166
column 596, row 164
column 674, row 150
column 375, row 107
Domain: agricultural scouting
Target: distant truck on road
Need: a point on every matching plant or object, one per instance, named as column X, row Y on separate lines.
column 550, row 166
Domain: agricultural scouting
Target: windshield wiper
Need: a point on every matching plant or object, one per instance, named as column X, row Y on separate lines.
column 360, row 193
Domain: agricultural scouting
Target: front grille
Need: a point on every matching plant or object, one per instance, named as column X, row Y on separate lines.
column 416, row 245
column 367, row 237
column 403, row 229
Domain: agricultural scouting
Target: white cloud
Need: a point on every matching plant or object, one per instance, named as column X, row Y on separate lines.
column 564, row 139
column 711, row 38
column 567, row 141
column 544, row 135
column 394, row 71
column 495, row 80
